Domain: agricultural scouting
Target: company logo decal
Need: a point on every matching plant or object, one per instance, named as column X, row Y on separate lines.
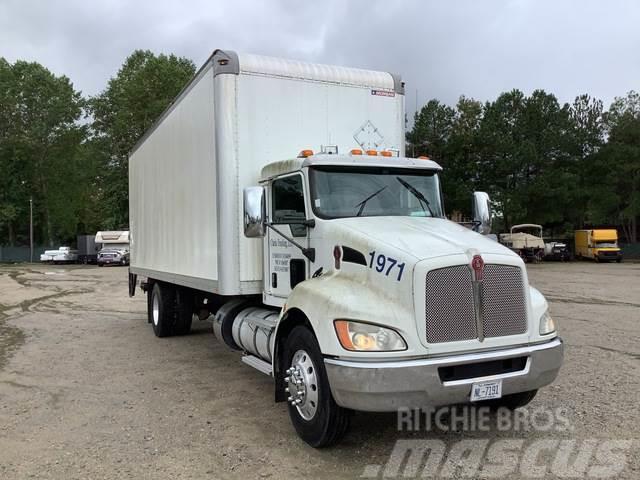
column 477, row 265
column 383, row 93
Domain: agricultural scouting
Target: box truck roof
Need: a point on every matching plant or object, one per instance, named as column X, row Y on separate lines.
column 384, row 84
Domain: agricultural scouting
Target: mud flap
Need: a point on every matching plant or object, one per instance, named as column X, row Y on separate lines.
column 133, row 281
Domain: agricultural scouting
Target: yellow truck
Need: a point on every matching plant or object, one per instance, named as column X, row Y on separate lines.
column 599, row 245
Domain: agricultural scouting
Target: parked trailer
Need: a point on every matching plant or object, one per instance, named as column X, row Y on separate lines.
column 334, row 272
column 555, row 250
column 526, row 240
column 598, row 244
column 87, row 249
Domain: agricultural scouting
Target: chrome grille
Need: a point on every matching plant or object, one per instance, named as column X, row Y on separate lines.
column 449, row 306
column 503, row 306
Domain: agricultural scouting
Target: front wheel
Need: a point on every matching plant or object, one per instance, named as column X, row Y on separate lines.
column 315, row 415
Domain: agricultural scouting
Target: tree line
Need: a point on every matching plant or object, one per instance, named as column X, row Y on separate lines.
column 67, row 152
column 564, row 166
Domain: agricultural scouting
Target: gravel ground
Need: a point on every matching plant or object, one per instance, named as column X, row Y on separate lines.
column 87, row 391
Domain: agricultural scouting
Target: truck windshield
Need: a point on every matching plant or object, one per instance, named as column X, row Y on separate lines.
column 339, row 192
column 606, row 244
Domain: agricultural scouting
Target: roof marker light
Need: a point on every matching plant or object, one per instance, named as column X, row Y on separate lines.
column 372, row 153
column 356, row 151
column 423, row 157
column 386, row 153
column 305, row 153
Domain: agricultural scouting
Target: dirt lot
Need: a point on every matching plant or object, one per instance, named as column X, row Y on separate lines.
column 87, row 391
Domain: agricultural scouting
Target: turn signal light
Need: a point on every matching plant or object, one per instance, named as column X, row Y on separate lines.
column 305, row 153
column 373, row 153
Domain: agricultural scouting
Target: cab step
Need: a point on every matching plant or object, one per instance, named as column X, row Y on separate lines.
column 258, row 364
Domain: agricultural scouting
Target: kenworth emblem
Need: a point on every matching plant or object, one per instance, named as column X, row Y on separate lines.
column 477, row 266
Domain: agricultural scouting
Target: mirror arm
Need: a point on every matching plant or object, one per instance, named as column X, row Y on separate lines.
column 310, row 253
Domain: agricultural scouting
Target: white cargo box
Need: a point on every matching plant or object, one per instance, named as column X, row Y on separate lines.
column 239, row 113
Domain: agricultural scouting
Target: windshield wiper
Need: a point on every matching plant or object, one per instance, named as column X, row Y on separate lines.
column 364, row 202
column 418, row 194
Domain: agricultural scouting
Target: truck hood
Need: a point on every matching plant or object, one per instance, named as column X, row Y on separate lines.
column 419, row 237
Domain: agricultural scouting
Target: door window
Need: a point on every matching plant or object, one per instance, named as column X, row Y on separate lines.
column 288, row 203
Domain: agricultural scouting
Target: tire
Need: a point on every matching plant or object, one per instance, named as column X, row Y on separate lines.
column 318, row 420
column 184, row 311
column 100, row 264
column 123, row 262
column 163, row 309
column 149, row 294
column 513, row 401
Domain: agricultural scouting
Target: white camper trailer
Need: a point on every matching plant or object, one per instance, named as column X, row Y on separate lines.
column 114, row 247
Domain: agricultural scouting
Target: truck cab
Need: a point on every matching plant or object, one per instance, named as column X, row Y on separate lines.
column 358, row 249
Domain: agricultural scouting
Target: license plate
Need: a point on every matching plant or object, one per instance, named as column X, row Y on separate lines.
column 486, row 390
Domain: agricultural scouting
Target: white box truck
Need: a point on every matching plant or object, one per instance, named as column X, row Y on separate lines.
column 276, row 196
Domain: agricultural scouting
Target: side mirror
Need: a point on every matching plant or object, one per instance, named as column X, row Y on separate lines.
column 482, row 212
column 254, row 212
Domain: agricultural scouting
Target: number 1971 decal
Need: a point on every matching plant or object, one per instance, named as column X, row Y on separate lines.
column 386, row 265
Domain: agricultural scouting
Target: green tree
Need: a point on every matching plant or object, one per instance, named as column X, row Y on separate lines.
column 431, row 130
column 460, row 177
column 143, row 87
column 526, row 157
column 40, row 136
column 614, row 173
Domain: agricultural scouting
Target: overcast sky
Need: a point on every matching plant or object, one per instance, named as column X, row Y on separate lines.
column 442, row 49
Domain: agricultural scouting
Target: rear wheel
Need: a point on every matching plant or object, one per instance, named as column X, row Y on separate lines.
column 315, row 415
column 184, row 311
column 162, row 309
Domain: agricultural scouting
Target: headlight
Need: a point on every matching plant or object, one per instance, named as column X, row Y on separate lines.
column 365, row 337
column 547, row 325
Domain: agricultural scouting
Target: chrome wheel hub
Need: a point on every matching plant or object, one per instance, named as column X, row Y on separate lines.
column 302, row 385
column 156, row 310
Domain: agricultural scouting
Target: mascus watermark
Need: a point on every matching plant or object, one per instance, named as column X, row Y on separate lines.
column 471, row 418
column 504, row 458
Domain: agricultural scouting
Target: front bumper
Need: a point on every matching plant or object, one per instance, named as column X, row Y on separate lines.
column 110, row 261
column 609, row 255
column 387, row 386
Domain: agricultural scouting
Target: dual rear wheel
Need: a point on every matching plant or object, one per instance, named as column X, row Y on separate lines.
column 169, row 309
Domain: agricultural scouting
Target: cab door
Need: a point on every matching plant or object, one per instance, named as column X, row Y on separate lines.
column 285, row 264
